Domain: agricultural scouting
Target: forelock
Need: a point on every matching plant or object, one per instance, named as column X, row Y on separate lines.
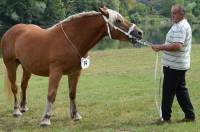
column 113, row 15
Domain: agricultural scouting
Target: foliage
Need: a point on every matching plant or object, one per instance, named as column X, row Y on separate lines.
column 76, row 6
column 196, row 10
column 31, row 11
column 53, row 12
column 46, row 13
column 163, row 7
column 180, row 2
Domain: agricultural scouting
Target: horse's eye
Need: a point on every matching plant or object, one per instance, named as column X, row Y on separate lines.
column 118, row 21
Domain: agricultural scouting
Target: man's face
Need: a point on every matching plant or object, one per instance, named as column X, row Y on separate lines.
column 176, row 15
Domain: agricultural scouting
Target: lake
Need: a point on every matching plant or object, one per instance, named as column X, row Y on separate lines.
column 155, row 32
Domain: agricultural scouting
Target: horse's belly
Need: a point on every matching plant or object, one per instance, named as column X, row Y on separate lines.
column 35, row 67
column 32, row 52
column 37, row 54
column 35, row 62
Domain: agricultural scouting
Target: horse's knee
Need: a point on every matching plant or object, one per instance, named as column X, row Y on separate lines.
column 51, row 96
column 14, row 89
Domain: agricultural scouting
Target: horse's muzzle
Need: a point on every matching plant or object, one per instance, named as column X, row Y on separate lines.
column 136, row 35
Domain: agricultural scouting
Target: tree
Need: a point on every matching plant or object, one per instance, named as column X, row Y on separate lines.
column 189, row 8
column 180, row 2
column 38, row 9
column 163, row 7
column 54, row 11
column 77, row 6
column 16, row 11
column 196, row 9
column 13, row 12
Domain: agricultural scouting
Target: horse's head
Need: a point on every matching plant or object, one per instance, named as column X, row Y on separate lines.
column 119, row 28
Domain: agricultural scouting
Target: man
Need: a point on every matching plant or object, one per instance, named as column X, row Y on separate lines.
column 176, row 61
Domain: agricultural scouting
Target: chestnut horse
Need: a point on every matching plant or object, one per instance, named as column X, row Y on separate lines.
column 58, row 51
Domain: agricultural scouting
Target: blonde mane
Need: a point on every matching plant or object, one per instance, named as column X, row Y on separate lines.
column 79, row 15
column 113, row 15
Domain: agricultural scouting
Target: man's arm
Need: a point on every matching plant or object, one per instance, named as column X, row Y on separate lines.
column 168, row 47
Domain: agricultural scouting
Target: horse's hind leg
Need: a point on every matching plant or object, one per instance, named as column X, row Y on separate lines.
column 73, row 80
column 25, row 78
column 11, row 70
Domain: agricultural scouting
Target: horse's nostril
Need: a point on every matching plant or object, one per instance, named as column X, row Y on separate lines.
column 140, row 33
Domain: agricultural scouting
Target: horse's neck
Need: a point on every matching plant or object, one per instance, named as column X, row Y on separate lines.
column 87, row 35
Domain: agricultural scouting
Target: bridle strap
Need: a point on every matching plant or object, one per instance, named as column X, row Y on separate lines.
column 108, row 28
column 117, row 28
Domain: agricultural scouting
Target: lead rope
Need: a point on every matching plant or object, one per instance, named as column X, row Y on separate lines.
column 157, row 98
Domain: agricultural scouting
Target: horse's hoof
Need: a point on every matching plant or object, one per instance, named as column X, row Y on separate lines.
column 24, row 109
column 77, row 117
column 17, row 113
column 45, row 122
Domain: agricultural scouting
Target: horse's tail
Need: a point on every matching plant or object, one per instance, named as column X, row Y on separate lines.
column 7, row 83
column 8, row 53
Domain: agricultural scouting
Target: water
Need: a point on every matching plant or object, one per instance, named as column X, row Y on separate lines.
column 156, row 32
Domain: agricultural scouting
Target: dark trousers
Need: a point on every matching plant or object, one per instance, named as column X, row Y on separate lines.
column 174, row 84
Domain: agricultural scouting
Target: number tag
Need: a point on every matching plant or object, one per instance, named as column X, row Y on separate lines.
column 85, row 62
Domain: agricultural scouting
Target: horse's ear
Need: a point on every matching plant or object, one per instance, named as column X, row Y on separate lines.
column 104, row 11
column 105, row 7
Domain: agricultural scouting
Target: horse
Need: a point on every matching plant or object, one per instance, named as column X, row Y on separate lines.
column 59, row 50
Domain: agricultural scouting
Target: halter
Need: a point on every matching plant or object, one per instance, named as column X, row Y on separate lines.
column 110, row 22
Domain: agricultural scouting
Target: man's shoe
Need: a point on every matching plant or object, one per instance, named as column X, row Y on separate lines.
column 161, row 121
column 187, row 120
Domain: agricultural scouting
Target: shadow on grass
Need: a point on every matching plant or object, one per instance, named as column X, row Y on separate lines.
column 30, row 122
column 10, row 123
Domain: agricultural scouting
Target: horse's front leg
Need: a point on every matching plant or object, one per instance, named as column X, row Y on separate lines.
column 73, row 80
column 54, row 79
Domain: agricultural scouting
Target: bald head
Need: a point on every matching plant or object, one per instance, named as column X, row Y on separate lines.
column 179, row 9
column 177, row 13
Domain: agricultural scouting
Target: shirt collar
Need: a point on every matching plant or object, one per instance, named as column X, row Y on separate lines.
column 181, row 21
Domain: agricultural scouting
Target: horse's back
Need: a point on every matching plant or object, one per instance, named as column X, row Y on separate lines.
column 10, row 36
column 8, row 39
column 26, row 45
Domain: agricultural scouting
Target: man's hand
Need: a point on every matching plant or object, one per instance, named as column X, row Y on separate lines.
column 167, row 47
column 156, row 47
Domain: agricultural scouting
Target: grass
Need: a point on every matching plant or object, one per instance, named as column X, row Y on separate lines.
column 115, row 94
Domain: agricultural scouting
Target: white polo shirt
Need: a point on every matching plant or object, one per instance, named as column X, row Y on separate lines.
column 179, row 60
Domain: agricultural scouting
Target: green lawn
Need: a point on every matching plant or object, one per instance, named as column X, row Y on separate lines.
column 115, row 94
